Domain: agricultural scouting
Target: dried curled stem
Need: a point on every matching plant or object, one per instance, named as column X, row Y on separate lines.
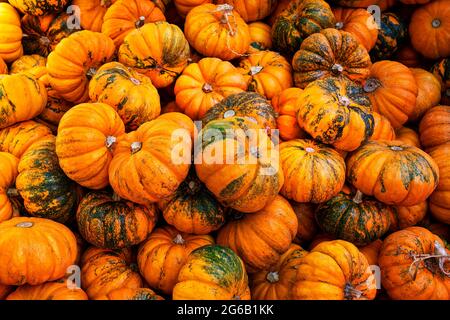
column 439, row 253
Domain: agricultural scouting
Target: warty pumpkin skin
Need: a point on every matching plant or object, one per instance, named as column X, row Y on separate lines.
column 22, row 97
column 87, row 134
column 74, row 61
column 251, row 10
column 104, row 270
column 92, row 12
column 8, row 174
column 131, row 94
column 260, row 238
column 300, row 19
column 275, row 282
column 35, row 250
column 392, row 90
column 10, row 33
column 57, row 290
column 260, row 37
column 399, row 174
column 163, row 59
column 217, row 31
column 131, row 294
column 352, row 218
column 382, row 129
column 45, row 189
column 429, row 92
column 408, row 136
column 334, row 270
column 238, row 163
column 434, row 128
column 124, row 16
column 413, row 262
column 38, row 7
column 206, row 83
column 149, row 164
column 163, row 254
column 440, row 198
column 403, row 217
column 212, row 272
column 336, row 111
column 307, row 226
column 371, row 251
column 113, row 224
column 267, row 72
column 442, row 71
column 392, row 33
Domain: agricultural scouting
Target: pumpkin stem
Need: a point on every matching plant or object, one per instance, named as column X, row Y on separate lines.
column 115, row 197
column 351, row 293
column 396, row 148
column 439, row 253
column 310, row 150
column 178, row 239
column 436, row 23
column 339, row 25
column 12, row 192
column 44, row 41
column 236, row 297
column 207, row 88
column 226, row 11
column 344, row 101
column 25, row 224
column 254, row 70
column 371, row 85
column 228, row 114
column 91, row 72
column 273, row 277
column 110, row 141
column 135, row 147
column 135, row 81
column 337, row 69
column 105, row 3
column 358, row 197
column 138, row 24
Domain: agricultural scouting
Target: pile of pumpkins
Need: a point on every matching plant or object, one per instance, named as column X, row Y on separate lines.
column 346, row 196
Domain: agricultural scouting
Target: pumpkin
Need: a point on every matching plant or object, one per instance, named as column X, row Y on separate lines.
column 45, row 189
column 275, row 282
column 442, row 71
column 163, row 254
column 260, row 37
column 43, row 33
column 248, row 105
column 74, row 61
column 206, row 83
column 260, row 238
column 434, row 128
column 35, row 250
column 336, row 111
column 149, row 164
column 38, row 7
column 413, row 265
column 267, row 72
column 53, row 111
column 312, row 172
column 285, row 105
column 192, row 209
column 392, row 33
column 92, row 12
column 307, row 226
column 131, row 294
column 300, row 19
column 104, row 270
column 360, row 23
column 124, row 16
column 212, row 272
column 429, row 92
column 392, row 90
column 22, row 98
column 217, row 31
column 382, row 129
column 408, row 56
column 371, row 252
column 87, row 134
column 17, row 138
column 403, row 217
column 399, row 174
column 10, row 34
column 279, row 8
column 114, row 224
column 171, row 107
column 319, row 238
column 408, row 136
column 8, row 174
column 334, row 270
column 185, row 6
column 29, row 63
column 127, row 91
column 3, row 66
column 440, row 198
column 163, row 59
column 383, row 4
column 251, row 10
column 5, row 291
column 183, row 121
column 58, row 290
column 244, row 177
column 430, row 29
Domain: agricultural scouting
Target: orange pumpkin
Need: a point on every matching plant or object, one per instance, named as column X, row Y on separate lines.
column 383, row 4
column 251, row 10
column 260, row 37
column 408, row 56
column 58, row 290
column 408, row 136
column 5, row 291
column 382, row 129
column 130, row 294
column 185, row 6
column 429, row 92
column 38, row 8
column 8, row 174
column 440, row 198
column 307, row 226
column 434, row 128
column 10, row 34
column 403, row 217
column 92, row 12
column 371, row 252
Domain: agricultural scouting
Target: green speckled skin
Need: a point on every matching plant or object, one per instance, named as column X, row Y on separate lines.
column 393, row 32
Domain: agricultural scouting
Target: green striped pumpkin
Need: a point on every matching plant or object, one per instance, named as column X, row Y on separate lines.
column 391, row 35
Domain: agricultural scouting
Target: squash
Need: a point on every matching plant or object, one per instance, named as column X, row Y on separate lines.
column 54, row 110
column 163, row 59
column 403, row 217
column 392, row 90
column 28, row 63
column 434, row 128
column 212, row 272
column 399, row 174
column 392, row 33
column 58, row 290
column 319, row 238
column 440, row 198
column 312, row 172
column 279, row 8
column 245, row 177
column 36, row 250
column 371, row 252
column 163, row 254
column 334, row 270
column 92, row 12
column 3, row 67
column 206, row 83
column 38, row 7
column 429, row 92
column 131, row 294
column 87, row 134
column 130, row 93
column 260, row 238
column 185, row 6
column 260, row 37
column 337, row 112
column 275, row 282
column 442, row 71
column 267, row 72
column 217, row 31
column 300, row 19
column 430, row 29
column 408, row 136
column 382, row 129
column 251, row 10
column 307, row 226
column 8, row 174
column 413, row 265
column 10, row 33
column 111, row 223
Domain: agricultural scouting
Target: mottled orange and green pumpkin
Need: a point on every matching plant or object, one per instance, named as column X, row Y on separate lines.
column 45, row 189
column 300, row 19
column 440, row 199
column 166, row 250
column 57, row 290
column 10, row 33
column 212, row 272
column 442, row 71
column 113, row 223
column 260, row 37
column 28, row 63
column 38, row 7
column 131, row 294
column 353, row 218
column 392, row 33
column 434, row 128
column 54, row 110
column 8, row 174
column 337, row 112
